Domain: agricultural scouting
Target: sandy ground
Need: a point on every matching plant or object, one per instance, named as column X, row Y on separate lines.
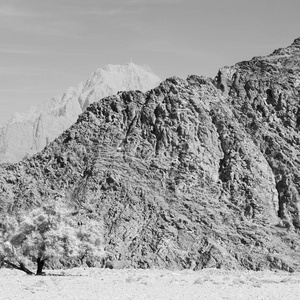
column 92, row 283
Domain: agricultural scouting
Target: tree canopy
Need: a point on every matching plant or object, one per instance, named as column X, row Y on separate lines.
column 46, row 233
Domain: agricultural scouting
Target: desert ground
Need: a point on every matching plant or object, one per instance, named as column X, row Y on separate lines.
column 93, row 283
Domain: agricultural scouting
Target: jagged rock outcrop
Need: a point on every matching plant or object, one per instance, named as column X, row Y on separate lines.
column 27, row 133
column 195, row 173
column 264, row 96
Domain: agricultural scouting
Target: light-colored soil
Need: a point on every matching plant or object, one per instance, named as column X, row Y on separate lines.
column 92, row 283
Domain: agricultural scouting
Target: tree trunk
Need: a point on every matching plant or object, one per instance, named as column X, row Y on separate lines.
column 23, row 268
column 20, row 267
column 40, row 266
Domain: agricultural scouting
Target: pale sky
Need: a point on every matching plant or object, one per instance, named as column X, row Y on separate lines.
column 48, row 45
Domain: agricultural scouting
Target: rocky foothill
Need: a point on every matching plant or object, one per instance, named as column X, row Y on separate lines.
column 194, row 173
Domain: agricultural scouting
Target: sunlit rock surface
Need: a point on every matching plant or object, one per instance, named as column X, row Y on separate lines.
column 194, row 173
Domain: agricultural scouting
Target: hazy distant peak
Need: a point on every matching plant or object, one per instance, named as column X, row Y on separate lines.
column 118, row 71
column 30, row 131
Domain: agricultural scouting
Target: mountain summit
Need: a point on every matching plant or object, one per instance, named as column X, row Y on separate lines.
column 27, row 133
column 194, row 173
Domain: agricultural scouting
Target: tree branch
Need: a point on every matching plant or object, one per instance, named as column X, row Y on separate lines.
column 21, row 267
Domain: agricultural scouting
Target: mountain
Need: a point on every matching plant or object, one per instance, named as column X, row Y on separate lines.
column 194, row 173
column 27, row 133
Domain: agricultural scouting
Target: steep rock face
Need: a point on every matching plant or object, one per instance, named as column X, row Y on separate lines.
column 28, row 133
column 264, row 95
column 195, row 173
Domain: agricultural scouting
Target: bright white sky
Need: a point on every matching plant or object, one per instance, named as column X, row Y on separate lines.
column 48, row 45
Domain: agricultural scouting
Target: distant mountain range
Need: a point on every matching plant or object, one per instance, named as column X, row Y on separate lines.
column 27, row 133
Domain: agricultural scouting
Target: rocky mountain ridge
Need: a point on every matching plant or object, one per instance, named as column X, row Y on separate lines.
column 192, row 174
column 27, row 133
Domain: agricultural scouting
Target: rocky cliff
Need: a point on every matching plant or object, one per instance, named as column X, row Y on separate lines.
column 192, row 174
column 27, row 133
